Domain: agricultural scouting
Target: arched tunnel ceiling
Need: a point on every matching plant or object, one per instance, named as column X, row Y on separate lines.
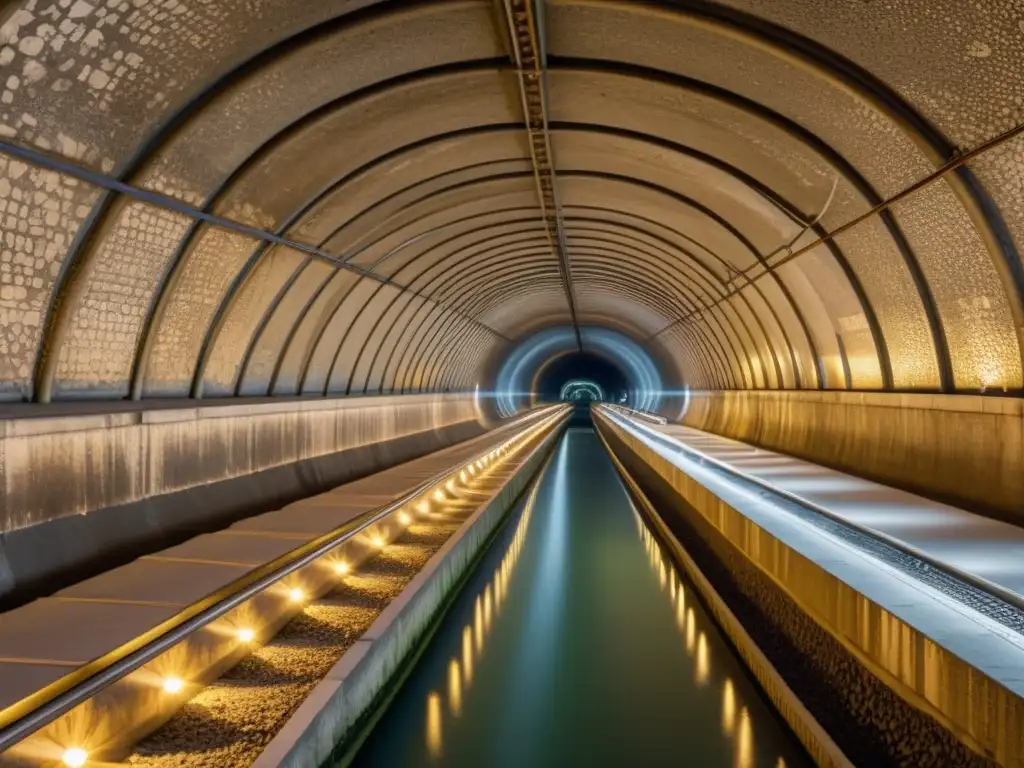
column 273, row 197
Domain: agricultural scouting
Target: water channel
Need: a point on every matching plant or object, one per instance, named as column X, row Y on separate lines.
column 575, row 643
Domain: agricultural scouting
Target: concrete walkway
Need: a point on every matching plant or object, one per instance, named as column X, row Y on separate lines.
column 982, row 547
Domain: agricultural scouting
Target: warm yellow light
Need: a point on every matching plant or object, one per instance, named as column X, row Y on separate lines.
column 450, row 485
column 403, row 518
column 455, row 687
column 478, row 625
column 434, row 724
column 246, row 635
column 467, row 654
column 296, row 595
column 438, row 495
column 173, row 685
column 462, row 476
column 75, row 756
column 744, row 741
column 424, row 507
column 341, row 568
column 378, row 542
column 728, row 708
column 702, row 660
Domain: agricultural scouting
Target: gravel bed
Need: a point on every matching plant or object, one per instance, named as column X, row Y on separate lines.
column 229, row 722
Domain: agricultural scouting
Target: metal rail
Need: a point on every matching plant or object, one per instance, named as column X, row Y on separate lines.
column 523, row 24
column 969, row 579
column 786, row 254
column 91, row 678
column 653, row 418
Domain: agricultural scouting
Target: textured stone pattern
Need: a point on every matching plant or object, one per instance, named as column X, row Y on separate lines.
column 975, row 313
column 221, row 138
column 92, row 77
column 890, row 288
column 210, row 265
column 308, row 327
column 1001, row 171
column 95, row 81
column 667, row 42
column 970, row 458
column 122, row 273
column 251, row 301
column 40, row 213
column 963, row 70
column 110, row 460
column 277, row 334
column 870, row 721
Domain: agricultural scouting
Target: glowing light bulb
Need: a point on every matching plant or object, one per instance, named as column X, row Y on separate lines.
column 378, row 542
column 296, row 595
column 424, row 507
column 75, row 757
column 173, row 685
column 246, row 635
column 403, row 518
column 341, row 568
column 462, row 476
column 438, row 495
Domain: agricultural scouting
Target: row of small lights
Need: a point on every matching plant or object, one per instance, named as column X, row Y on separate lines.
column 75, row 757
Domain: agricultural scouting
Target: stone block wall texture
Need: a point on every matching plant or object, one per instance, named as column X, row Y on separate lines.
column 887, row 694
column 963, row 449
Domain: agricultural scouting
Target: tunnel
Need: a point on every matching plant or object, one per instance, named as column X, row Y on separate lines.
column 746, row 276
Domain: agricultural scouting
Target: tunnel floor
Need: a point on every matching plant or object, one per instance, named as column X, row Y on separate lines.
column 575, row 643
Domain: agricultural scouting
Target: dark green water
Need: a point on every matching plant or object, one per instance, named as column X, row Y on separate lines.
column 575, row 644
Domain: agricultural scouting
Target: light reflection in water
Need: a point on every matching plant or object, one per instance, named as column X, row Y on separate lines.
column 728, row 708
column 488, row 608
column 702, row 659
column 467, row 654
column 478, row 624
column 485, row 610
column 744, row 741
column 736, row 726
column 454, row 687
column 434, row 724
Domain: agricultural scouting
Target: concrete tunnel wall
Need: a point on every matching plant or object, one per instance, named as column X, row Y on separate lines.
column 85, row 492
column 805, row 198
